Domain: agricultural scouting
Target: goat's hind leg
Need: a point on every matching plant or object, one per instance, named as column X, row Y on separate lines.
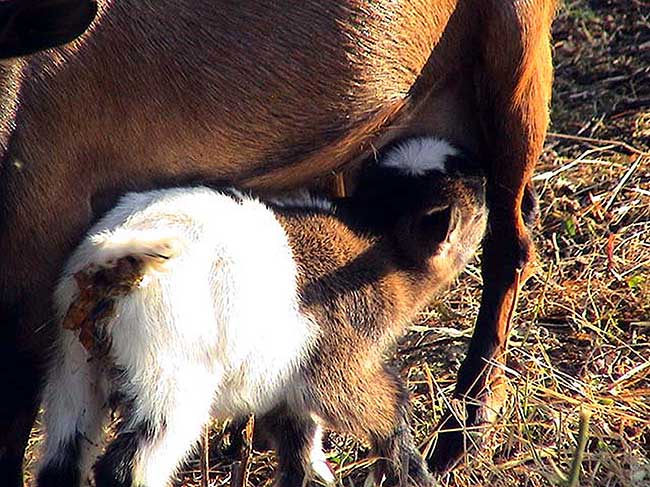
column 75, row 404
column 297, row 442
column 515, row 91
column 159, row 427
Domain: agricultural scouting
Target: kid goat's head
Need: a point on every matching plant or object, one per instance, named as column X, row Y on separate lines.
column 433, row 197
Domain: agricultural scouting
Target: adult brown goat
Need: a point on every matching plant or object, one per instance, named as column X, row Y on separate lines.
column 280, row 93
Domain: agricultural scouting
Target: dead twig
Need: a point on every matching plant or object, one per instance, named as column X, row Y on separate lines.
column 622, row 182
column 204, row 460
column 592, row 140
column 583, row 436
column 241, row 468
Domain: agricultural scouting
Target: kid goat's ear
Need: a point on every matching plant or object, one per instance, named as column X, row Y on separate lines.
column 428, row 234
column 436, row 228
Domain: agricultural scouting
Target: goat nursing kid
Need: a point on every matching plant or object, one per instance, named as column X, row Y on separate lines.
column 266, row 94
column 242, row 307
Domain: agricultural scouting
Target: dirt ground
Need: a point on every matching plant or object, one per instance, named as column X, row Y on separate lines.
column 581, row 341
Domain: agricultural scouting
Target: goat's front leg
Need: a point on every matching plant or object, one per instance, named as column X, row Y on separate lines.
column 21, row 377
column 400, row 464
column 372, row 402
column 514, row 87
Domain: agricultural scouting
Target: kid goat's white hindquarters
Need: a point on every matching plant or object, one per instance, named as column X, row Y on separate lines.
column 219, row 323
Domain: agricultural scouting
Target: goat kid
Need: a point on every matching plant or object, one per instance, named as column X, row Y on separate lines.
column 233, row 306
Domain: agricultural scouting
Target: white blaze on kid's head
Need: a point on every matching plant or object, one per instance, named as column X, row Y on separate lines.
column 416, row 156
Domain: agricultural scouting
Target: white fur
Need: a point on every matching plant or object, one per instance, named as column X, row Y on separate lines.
column 319, row 464
column 218, row 329
column 75, row 396
column 419, row 155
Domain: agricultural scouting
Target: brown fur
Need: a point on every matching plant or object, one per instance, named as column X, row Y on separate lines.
column 363, row 289
column 267, row 94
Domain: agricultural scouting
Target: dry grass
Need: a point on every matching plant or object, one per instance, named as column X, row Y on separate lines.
column 581, row 341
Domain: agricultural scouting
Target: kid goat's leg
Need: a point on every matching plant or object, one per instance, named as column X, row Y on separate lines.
column 400, row 461
column 514, row 90
column 297, row 441
column 161, row 422
column 375, row 404
column 75, row 403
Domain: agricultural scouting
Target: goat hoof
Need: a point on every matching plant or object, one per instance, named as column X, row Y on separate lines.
column 462, row 426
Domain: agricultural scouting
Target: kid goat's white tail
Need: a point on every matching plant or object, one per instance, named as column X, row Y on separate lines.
column 150, row 251
column 153, row 248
